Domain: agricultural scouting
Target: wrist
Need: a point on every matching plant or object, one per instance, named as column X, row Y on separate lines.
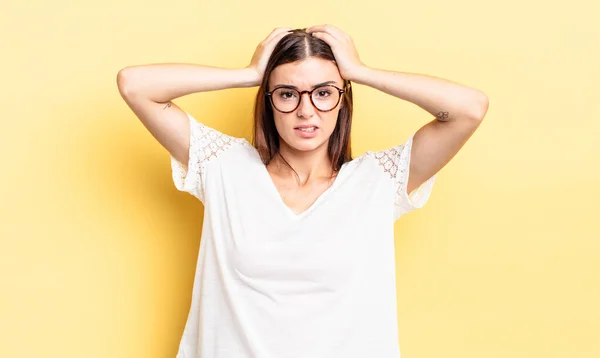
column 360, row 74
column 251, row 76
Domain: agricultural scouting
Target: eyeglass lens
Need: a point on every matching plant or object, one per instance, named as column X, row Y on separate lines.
column 324, row 98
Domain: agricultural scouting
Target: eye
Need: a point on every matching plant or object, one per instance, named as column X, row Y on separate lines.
column 286, row 94
column 324, row 93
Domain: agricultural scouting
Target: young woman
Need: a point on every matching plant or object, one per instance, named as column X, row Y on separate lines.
column 297, row 252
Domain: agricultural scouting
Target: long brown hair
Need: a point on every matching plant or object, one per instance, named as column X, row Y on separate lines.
column 296, row 46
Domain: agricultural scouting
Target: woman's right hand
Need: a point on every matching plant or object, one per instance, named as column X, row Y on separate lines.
column 263, row 51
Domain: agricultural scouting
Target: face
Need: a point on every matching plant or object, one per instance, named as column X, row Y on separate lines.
column 306, row 75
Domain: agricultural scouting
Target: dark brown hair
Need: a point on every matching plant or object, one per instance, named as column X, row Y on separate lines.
column 293, row 47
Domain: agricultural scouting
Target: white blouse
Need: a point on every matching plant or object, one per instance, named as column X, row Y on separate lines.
column 270, row 283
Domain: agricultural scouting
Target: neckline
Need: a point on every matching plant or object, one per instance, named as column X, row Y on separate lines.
column 312, row 206
column 289, row 212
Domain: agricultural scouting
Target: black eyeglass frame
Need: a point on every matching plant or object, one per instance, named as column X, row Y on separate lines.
column 340, row 91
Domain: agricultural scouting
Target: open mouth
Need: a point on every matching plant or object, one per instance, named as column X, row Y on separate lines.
column 306, row 129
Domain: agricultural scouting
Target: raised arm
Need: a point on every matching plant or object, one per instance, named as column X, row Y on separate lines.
column 458, row 109
column 149, row 89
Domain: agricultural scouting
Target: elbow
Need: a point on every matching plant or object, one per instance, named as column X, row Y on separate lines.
column 124, row 82
column 479, row 107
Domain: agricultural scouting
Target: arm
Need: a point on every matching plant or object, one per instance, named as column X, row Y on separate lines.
column 164, row 82
column 458, row 109
column 447, row 101
column 149, row 89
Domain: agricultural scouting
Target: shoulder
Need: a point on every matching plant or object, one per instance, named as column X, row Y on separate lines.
column 391, row 160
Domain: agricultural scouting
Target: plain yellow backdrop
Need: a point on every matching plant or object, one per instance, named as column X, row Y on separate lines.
column 98, row 249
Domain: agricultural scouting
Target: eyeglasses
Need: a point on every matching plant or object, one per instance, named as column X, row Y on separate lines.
column 324, row 98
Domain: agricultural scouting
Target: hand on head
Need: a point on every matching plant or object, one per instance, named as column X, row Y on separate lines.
column 265, row 48
column 343, row 48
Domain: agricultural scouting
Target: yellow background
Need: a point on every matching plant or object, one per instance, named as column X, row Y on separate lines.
column 98, row 249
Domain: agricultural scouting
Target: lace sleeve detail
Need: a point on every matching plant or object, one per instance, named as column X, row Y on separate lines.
column 206, row 144
column 395, row 163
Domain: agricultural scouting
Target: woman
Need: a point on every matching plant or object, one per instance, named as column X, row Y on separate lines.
column 297, row 250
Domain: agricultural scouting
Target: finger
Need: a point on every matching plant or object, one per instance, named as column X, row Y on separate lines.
column 276, row 32
column 328, row 38
column 330, row 29
column 275, row 40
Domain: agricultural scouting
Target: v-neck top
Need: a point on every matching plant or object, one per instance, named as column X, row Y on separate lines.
column 270, row 283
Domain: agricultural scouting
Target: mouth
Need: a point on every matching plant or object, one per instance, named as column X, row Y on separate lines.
column 307, row 129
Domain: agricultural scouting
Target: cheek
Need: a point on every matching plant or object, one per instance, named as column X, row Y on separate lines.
column 280, row 125
column 330, row 122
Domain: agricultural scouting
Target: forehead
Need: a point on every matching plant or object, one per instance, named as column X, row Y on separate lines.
column 305, row 73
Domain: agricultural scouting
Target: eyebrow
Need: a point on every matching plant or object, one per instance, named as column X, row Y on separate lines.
column 313, row 87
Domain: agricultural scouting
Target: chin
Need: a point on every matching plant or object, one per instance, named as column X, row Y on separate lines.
column 306, row 145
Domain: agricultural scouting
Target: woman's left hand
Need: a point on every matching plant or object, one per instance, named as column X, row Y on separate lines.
column 343, row 49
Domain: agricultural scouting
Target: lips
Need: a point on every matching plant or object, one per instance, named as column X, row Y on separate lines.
column 305, row 126
column 306, row 131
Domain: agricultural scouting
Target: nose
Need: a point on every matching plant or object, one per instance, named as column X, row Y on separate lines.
column 305, row 108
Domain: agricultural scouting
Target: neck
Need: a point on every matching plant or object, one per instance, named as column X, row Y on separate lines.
column 305, row 166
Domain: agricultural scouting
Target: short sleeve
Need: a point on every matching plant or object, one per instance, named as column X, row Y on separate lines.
column 395, row 162
column 206, row 144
